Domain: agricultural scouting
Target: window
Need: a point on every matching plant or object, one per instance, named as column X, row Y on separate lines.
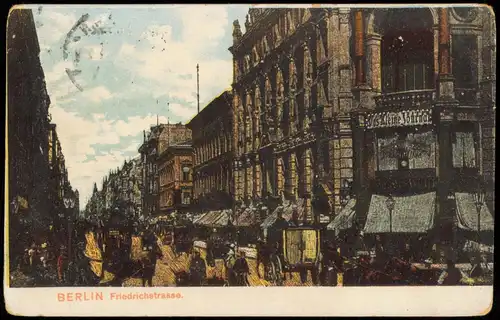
column 408, row 149
column 407, row 60
column 186, row 197
column 186, row 173
column 464, row 66
column 464, row 149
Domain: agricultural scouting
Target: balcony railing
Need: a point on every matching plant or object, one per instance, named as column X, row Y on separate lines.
column 416, row 98
column 405, row 99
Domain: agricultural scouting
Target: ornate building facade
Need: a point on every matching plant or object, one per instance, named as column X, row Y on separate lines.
column 362, row 103
column 156, row 141
column 292, row 83
column 213, row 154
column 175, row 169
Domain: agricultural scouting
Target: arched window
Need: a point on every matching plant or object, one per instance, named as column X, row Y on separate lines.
column 407, row 50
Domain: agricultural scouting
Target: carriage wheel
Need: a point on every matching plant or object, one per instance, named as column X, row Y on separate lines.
column 270, row 273
column 315, row 275
column 303, row 275
column 280, row 272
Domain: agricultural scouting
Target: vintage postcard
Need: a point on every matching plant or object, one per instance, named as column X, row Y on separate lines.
column 250, row 160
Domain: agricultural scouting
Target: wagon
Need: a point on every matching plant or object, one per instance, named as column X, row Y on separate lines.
column 301, row 253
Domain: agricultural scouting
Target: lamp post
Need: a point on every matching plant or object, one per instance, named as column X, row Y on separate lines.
column 389, row 202
column 479, row 196
column 69, row 203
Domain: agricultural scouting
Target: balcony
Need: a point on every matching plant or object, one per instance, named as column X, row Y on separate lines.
column 405, row 99
column 417, row 98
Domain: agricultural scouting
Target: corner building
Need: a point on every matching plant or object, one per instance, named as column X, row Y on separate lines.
column 358, row 105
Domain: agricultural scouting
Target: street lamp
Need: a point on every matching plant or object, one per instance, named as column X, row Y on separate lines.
column 479, row 196
column 69, row 203
column 389, row 202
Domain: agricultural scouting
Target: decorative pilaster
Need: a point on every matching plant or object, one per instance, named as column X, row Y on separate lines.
column 446, row 90
column 308, row 185
column 257, row 175
column 292, row 175
column 374, row 72
column 280, row 176
column 344, row 59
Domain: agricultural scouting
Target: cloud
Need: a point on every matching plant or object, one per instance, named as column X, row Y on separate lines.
column 162, row 60
column 144, row 62
column 79, row 136
column 52, row 26
column 98, row 94
column 181, row 111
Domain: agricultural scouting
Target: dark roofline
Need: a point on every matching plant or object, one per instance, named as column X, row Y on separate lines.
column 226, row 94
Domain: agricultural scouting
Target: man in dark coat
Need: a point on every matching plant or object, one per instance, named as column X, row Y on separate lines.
column 332, row 264
column 149, row 264
column 197, row 270
column 241, row 269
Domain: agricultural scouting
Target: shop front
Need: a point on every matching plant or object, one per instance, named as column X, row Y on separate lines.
column 419, row 175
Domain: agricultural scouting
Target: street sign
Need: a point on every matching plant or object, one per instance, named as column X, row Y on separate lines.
column 403, row 118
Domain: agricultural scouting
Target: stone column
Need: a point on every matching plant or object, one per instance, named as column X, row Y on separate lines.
column 362, row 91
column 374, row 72
column 257, row 175
column 234, row 145
column 292, row 174
column 359, row 46
column 446, row 90
column 280, row 179
column 344, row 61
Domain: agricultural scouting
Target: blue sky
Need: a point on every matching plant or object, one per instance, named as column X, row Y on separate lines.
column 146, row 59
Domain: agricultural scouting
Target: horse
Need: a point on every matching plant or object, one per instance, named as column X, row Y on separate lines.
column 267, row 254
column 143, row 268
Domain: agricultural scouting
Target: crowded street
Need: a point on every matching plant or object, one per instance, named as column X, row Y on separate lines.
column 283, row 147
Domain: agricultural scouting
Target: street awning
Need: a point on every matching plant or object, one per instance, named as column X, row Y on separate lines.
column 222, row 219
column 344, row 220
column 208, row 218
column 467, row 214
column 411, row 214
column 216, row 218
column 271, row 219
column 286, row 213
column 247, row 218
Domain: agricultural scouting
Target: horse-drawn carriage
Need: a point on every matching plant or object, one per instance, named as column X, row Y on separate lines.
column 297, row 250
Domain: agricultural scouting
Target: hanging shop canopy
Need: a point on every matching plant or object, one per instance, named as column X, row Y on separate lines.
column 247, row 218
column 467, row 214
column 286, row 213
column 411, row 214
column 216, row 218
column 344, row 220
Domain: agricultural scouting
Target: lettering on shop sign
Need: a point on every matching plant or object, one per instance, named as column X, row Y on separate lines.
column 404, row 118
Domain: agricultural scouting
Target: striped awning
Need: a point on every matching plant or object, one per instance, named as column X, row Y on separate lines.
column 286, row 213
column 344, row 220
column 216, row 218
column 411, row 214
column 207, row 218
column 467, row 214
column 247, row 218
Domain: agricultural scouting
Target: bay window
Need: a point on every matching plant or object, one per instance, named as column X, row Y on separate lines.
column 413, row 148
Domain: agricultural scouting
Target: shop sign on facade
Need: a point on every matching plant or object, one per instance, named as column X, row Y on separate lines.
column 403, row 118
